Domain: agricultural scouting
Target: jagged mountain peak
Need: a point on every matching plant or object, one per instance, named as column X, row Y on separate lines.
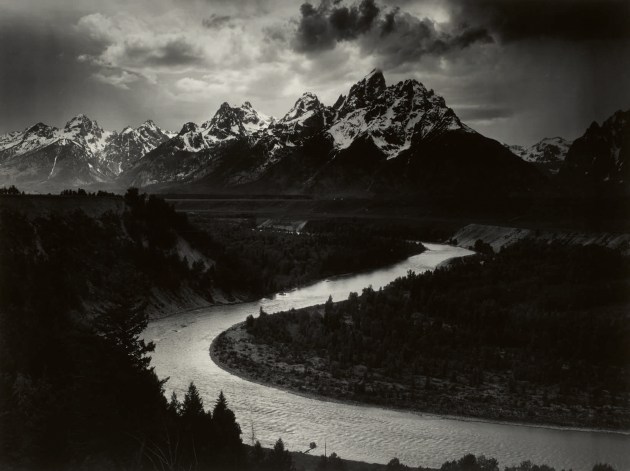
column 601, row 154
column 414, row 87
column 372, row 84
column 307, row 103
column 224, row 107
column 81, row 121
column 392, row 117
column 547, row 154
column 364, row 93
column 231, row 121
column 148, row 124
column 375, row 79
column 189, row 127
column 339, row 102
column 40, row 129
column 618, row 119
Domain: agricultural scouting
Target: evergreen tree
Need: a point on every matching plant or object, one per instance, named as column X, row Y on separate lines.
column 279, row 459
column 226, row 435
column 122, row 324
column 192, row 407
column 257, row 456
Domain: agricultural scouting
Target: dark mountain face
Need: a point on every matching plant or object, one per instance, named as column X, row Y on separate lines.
column 601, row 155
column 362, row 94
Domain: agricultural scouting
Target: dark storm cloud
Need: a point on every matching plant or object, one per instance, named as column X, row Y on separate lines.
column 394, row 34
column 567, row 19
column 216, row 21
column 322, row 27
column 405, row 38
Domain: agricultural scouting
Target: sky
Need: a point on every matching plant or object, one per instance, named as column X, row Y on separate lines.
column 514, row 70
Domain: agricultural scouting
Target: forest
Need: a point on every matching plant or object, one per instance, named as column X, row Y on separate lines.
column 265, row 261
column 536, row 333
column 76, row 387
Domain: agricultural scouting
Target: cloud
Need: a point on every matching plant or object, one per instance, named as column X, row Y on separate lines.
column 120, row 80
column 131, row 43
column 404, row 38
column 564, row 19
column 191, row 85
column 396, row 36
column 215, row 21
column 161, row 50
column 322, row 27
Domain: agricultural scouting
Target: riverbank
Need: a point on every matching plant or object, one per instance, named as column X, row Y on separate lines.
column 236, row 351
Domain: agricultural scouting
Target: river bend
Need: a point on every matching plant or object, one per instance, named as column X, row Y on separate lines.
column 355, row 432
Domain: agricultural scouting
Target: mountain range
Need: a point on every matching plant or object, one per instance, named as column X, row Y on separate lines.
column 547, row 154
column 81, row 153
column 394, row 140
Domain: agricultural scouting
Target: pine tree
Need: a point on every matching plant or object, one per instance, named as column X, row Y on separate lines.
column 174, row 406
column 257, row 456
column 279, row 459
column 121, row 324
column 192, row 407
column 226, row 434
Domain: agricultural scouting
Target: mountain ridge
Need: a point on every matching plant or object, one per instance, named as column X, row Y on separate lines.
column 377, row 139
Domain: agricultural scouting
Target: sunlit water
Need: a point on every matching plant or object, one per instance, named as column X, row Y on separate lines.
column 358, row 432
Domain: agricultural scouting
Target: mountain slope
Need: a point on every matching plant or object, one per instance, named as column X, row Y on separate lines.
column 601, row 155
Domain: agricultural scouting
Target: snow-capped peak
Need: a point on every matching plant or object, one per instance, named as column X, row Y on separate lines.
column 229, row 122
column 363, row 93
column 149, row 124
column 253, row 120
column 81, row 121
column 548, row 153
column 41, row 129
column 391, row 116
column 304, row 107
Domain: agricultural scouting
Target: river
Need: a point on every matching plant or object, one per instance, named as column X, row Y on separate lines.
column 355, row 432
